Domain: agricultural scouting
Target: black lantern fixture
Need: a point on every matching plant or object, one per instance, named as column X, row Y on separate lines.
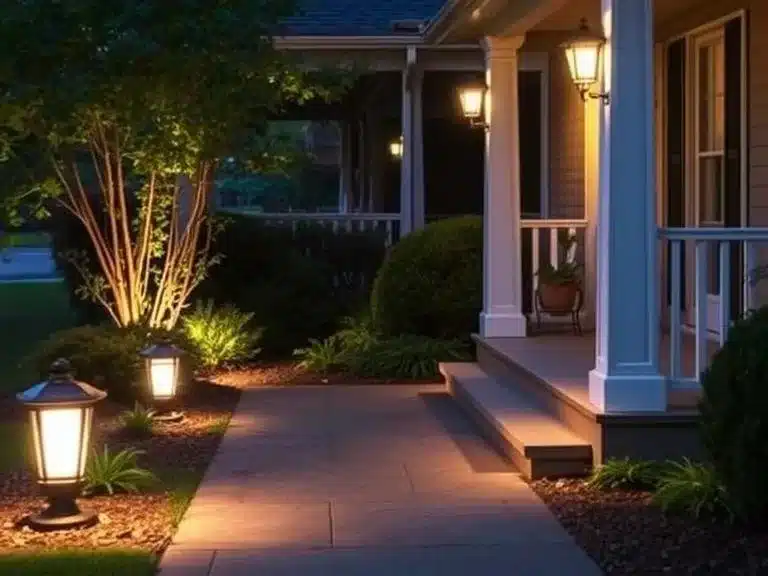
column 584, row 54
column 61, row 416
column 162, row 368
column 472, row 98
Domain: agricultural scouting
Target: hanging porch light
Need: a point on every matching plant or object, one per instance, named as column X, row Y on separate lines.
column 396, row 148
column 162, row 368
column 60, row 413
column 584, row 52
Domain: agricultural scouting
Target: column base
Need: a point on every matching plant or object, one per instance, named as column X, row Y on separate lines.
column 632, row 393
column 503, row 324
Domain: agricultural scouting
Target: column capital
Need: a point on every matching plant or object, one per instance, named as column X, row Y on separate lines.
column 502, row 47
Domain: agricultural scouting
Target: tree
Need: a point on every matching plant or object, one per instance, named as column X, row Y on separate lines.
column 129, row 105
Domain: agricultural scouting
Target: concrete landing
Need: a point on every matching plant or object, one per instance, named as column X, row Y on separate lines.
column 364, row 480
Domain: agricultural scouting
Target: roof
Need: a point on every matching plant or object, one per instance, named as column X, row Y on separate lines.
column 357, row 17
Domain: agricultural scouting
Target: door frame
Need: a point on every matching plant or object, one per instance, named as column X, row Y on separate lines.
column 691, row 208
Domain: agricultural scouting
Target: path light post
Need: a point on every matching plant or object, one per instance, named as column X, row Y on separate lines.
column 162, row 368
column 61, row 416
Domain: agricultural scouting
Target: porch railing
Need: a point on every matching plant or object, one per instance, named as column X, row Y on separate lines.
column 710, row 279
column 386, row 224
column 540, row 245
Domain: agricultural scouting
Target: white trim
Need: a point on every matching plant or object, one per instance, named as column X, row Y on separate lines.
column 362, row 43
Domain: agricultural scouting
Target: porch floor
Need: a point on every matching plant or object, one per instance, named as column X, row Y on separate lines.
column 564, row 360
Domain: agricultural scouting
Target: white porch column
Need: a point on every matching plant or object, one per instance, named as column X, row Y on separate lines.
column 502, row 286
column 626, row 377
column 406, row 161
column 417, row 168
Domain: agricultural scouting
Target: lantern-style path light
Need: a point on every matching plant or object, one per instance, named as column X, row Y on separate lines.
column 162, row 370
column 61, row 417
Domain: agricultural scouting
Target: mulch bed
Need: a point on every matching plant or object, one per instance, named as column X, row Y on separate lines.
column 626, row 534
column 135, row 521
column 289, row 374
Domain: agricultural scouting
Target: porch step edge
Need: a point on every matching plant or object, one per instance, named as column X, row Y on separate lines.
column 535, row 440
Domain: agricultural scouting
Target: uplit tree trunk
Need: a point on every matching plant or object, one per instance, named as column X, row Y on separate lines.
column 150, row 259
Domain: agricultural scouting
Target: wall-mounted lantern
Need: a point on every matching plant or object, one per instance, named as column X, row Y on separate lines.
column 472, row 99
column 396, row 148
column 584, row 52
column 61, row 415
column 162, row 364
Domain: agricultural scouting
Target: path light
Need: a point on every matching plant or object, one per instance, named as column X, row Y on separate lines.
column 162, row 368
column 584, row 53
column 61, row 416
column 472, row 99
column 396, row 148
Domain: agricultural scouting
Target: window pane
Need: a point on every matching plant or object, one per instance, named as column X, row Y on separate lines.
column 719, row 96
column 711, row 88
column 705, row 139
column 711, row 190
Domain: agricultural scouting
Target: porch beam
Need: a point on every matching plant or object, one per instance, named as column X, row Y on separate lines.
column 626, row 377
column 502, row 314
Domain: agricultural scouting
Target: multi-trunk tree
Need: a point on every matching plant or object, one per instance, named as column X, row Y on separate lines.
column 119, row 112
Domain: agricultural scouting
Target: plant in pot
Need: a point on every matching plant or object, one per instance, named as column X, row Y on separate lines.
column 559, row 287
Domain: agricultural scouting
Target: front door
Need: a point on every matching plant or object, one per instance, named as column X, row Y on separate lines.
column 704, row 152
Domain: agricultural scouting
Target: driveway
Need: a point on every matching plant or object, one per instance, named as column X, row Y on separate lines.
column 370, row 481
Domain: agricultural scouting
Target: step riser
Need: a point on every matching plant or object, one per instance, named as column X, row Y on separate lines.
column 531, row 468
column 583, row 425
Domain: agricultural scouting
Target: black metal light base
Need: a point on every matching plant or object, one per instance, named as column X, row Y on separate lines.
column 62, row 514
column 168, row 416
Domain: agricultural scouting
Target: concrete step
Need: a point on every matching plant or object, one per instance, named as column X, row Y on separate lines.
column 538, row 443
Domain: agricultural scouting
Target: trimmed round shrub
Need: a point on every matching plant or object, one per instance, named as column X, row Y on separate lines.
column 734, row 416
column 106, row 357
column 431, row 282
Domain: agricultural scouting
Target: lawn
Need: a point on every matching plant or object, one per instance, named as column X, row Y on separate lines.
column 77, row 563
column 29, row 312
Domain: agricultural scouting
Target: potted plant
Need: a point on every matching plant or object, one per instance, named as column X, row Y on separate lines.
column 559, row 288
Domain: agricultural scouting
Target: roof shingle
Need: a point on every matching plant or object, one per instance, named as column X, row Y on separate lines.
column 356, row 17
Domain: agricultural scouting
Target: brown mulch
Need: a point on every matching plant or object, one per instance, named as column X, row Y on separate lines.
column 627, row 534
column 137, row 521
column 289, row 374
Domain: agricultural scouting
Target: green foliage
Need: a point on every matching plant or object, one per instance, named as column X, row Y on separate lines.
column 431, row 282
column 139, row 421
column 105, row 356
column 120, row 472
column 220, row 335
column 568, row 271
column 321, row 355
column 734, row 416
column 408, row 356
column 626, row 473
column 93, row 562
column 693, row 488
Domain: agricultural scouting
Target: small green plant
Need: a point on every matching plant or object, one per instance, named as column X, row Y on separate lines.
column 568, row 271
column 219, row 426
column 320, row 355
column 626, row 473
column 220, row 335
column 120, row 472
column 408, row 356
column 692, row 487
column 139, row 421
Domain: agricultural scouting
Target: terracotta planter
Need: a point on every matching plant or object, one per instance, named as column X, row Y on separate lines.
column 558, row 298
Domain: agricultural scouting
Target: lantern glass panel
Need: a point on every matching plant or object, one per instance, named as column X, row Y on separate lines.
column 59, row 443
column 584, row 61
column 163, row 372
column 472, row 102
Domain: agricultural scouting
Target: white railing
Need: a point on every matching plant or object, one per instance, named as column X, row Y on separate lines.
column 705, row 307
column 544, row 243
column 386, row 224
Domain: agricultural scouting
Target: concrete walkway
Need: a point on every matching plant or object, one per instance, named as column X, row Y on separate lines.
column 370, row 481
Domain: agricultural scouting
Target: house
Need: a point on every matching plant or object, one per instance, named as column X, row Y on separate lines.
column 651, row 147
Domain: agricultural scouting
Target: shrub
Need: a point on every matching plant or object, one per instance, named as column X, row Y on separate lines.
column 110, row 473
column 139, row 421
column 105, row 356
column 321, row 355
column 431, row 282
column 408, row 356
column 734, row 416
column 220, row 335
column 691, row 487
column 626, row 473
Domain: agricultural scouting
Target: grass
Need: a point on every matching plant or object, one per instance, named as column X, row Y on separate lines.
column 77, row 563
column 25, row 240
column 34, row 310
